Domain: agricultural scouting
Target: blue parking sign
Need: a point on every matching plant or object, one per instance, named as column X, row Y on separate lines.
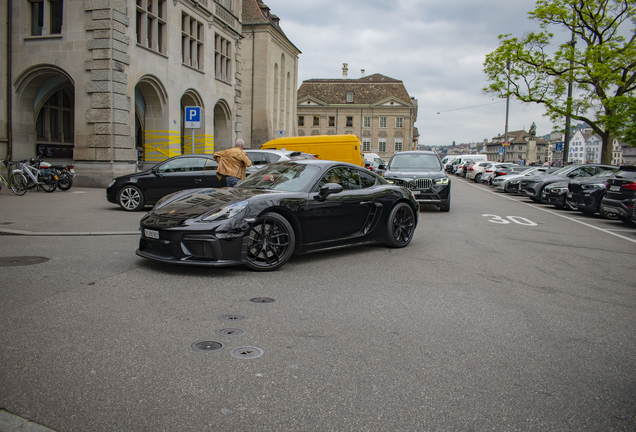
column 192, row 117
column 558, row 146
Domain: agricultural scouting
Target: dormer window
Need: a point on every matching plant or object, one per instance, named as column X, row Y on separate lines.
column 349, row 97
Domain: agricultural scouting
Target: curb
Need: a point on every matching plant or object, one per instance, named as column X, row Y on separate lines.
column 91, row 233
column 14, row 423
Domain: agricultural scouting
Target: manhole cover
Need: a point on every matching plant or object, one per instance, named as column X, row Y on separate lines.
column 262, row 300
column 231, row 332
column 233, row 318
column 246, row 352
column 18, row 261
column 207, row 346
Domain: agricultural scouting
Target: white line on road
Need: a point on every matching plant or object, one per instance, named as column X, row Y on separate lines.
column 554, row 213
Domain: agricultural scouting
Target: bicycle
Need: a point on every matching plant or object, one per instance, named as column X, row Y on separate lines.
column 45, row 179
column 17, row 181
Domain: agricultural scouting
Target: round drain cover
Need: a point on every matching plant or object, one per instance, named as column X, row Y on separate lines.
column 262, row 300
column 246, row 352
column 233, row 318
column 231, row 332
column 207, row 346
column 17, row 261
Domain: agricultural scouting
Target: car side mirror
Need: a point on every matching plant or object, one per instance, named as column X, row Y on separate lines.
column 328, row 189
column 382, row 167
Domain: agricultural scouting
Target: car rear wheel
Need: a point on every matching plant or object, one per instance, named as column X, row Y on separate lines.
column 131, row 198
column 400, row 226
column 478, row 178
column 270, row 242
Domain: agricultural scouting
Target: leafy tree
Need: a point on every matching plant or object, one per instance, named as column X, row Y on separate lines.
column 600, row 62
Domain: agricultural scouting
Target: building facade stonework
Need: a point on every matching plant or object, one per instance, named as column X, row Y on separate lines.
column 376, row 108
column 270, row 76
column 103, row 83
column 519, row 147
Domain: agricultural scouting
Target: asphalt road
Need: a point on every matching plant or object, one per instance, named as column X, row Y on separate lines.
column 478, row 325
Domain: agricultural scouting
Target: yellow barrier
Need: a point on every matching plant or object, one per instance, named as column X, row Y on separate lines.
column 162, row 145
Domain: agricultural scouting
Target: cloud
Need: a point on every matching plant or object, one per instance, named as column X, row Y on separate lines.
column 436, row 48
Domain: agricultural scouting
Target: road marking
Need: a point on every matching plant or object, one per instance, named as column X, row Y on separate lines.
column 554, row 213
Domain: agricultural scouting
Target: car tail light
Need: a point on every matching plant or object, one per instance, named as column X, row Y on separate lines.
column 471, row 169
column 629, row 186
column 488, row 170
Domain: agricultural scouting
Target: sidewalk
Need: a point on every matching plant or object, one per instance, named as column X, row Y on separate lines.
column 13, row 423
column 79, row 211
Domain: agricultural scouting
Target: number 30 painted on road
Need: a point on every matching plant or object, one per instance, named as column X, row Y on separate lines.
column 516, row 219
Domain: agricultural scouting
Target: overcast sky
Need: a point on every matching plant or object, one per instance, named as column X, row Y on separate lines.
column 437, row 48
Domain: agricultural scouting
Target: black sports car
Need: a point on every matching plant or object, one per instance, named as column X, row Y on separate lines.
column 423, row 173
column 285, row 208
column 134, row 191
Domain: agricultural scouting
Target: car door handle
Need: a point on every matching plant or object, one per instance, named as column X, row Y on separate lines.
column 198, row 180
column 366, row 202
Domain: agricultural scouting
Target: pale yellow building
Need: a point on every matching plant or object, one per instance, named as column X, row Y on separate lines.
column 376, row 108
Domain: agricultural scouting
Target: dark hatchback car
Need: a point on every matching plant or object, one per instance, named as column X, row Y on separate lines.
column 421, row 172
column 134, row 191
column 284, row 208
column 533, row 187
column 557, row 193
column 620, row 194
column 585, row 194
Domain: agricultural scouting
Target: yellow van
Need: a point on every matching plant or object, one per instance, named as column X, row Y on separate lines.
column 341, row 148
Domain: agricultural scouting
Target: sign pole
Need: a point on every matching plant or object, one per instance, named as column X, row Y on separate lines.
column 192, row 141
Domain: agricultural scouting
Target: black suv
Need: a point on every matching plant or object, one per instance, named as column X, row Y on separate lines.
column 620, row 194
column 421, row 172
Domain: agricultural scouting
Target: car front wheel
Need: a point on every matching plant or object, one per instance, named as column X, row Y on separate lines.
column 270, row 242
column 131, row 198
column 400, row 226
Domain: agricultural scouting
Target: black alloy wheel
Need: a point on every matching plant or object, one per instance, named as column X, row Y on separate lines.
column 506, row 189
column 130, row 198
column 478, row 178
column 270, row 242
column 65, row 181
column 400, row 226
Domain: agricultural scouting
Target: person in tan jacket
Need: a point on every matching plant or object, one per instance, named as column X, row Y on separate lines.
column 232, row 163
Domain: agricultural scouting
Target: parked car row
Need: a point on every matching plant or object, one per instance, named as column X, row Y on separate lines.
column 607, row 190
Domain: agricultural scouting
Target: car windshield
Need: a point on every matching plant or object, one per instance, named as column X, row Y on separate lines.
column 562, row 170
column 415, row 162
column 283, row 176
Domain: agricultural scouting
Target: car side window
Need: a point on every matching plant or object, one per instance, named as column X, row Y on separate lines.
column 347, row 178
column 257, row 158
column 210, row 165
column 584, row 172
column 366, row 180
column 273, row 157
column 183, row 165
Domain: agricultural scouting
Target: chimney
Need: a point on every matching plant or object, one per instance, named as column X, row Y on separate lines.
column 344, row 70
column 362, row 71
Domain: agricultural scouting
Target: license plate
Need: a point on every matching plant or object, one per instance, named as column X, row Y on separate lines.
column 615, row 188
column 72, row 170
column 151, row 234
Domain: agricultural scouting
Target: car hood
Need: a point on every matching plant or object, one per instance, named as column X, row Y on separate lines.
column 390, row 174
column 196, row 202
column 546, row 178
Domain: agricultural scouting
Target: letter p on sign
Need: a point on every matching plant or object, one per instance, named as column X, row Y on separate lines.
column 192, row 117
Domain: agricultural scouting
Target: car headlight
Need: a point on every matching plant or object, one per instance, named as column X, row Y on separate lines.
column 390, row 181
column 592, row 187
column 112, row 182
column 441, row 181
column 226, row 212
column 559, row 190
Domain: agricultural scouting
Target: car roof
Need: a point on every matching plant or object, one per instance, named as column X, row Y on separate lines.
column 416, row 152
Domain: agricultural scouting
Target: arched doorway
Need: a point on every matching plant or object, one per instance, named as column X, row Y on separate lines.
column 154, row 140
column 222, row 129
column 202, row 144
column 45, row 120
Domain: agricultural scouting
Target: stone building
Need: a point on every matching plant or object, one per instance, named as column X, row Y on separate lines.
column 270, row 76
column 99, row 82
column 376, row 108
column 520, row 147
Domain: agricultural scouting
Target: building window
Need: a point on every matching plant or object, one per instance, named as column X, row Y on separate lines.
column 349, row 121
column 367, row 122
column 332, row 121
column 301, row 121
column 52, row 15
column 55, row 122
column 382, row 145
column 399, row 122
column 382, row 122
column 316, row 120
column 151, row 24
column 366, row 145
column 222, row 58
column 398, row 144
column 349, row 97
column 191, row 42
